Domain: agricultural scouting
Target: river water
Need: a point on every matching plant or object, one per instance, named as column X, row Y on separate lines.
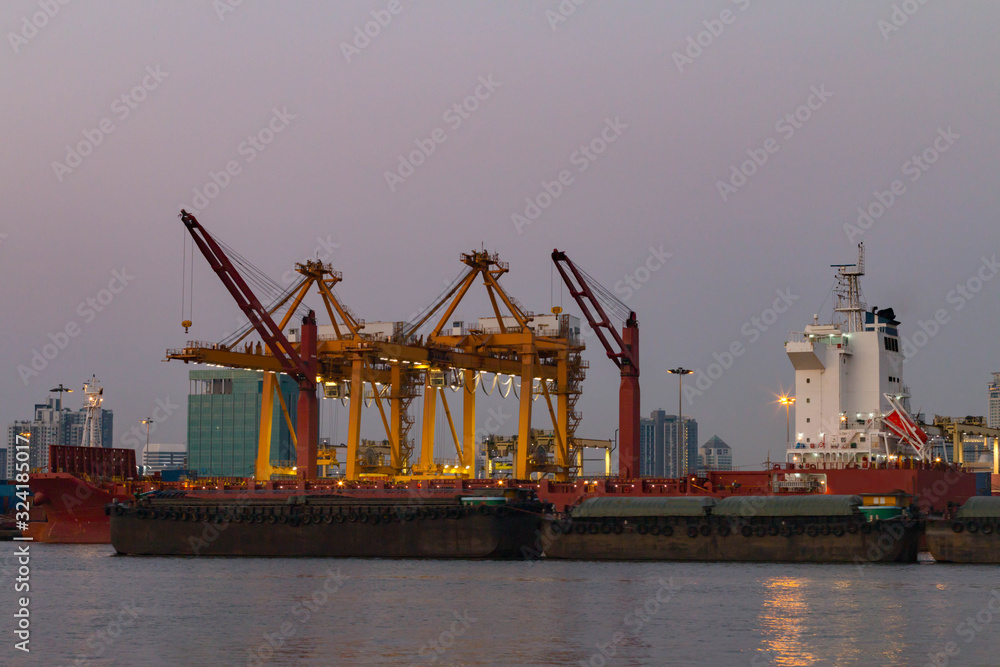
column 90, row 607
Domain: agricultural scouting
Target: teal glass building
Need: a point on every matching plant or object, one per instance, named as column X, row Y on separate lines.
column 224, row 422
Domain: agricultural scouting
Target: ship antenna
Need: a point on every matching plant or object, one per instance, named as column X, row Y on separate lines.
column 848, row 291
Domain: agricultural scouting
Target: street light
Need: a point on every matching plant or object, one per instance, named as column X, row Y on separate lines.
column 147, row 422
column 680, row 372
column 787, row 401
column 60, row 390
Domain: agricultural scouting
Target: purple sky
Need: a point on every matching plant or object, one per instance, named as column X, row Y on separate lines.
column 198, row 83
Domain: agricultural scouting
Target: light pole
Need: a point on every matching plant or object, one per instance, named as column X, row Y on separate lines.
column 59, row 391
column 787, row 401
column 680, row 372
column 147, row 422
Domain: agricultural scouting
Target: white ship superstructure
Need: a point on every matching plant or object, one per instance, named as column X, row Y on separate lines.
column 848, row 375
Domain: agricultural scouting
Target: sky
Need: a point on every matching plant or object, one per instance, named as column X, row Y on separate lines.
column 706, row 161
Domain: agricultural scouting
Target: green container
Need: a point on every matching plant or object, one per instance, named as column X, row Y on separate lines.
column 873, row 512
column 484, row 500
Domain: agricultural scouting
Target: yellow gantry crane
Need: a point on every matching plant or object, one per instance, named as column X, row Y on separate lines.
column 357, row 368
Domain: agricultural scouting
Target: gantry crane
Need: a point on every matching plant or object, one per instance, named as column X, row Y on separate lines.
column 516, row 349
column 624, row 353
column 358, row 367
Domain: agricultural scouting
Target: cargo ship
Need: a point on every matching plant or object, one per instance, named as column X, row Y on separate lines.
column 800, row 529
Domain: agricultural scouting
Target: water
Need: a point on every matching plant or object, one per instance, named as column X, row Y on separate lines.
column 223, row 612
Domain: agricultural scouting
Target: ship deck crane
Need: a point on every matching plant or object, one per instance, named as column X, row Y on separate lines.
column 301, row 364
column 622, row 349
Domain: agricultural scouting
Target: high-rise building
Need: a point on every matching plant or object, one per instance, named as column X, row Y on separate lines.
column 716, row 455
column 53, row 425
column 993, row 420
column 157, row 457
column 224, row 422
column 659, row 453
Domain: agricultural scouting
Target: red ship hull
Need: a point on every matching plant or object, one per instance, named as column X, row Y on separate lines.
column 67, row 509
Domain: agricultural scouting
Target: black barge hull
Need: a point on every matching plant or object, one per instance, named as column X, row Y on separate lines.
column 964, row 541
column 277, row 530
column 718, row 539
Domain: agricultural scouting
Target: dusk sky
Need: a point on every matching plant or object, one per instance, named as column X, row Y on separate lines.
column 741, row 138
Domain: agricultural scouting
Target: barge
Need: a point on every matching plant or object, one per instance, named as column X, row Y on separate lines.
column 810, row 529
column 971, row 536
column 498, row 525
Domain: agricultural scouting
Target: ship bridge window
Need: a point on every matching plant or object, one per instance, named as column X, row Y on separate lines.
column 891, row 344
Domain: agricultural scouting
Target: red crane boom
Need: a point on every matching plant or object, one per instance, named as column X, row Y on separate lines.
column 624, row 352
column 301, row 364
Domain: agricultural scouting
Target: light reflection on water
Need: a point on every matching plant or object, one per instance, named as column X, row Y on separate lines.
column 222, row 611
column 784, row 613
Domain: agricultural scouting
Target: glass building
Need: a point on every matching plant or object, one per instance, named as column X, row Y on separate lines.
column 224, row 422
column 659, row 453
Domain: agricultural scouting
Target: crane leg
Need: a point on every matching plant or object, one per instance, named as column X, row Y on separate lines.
column 430, row 415
column 469, row 421
column 354, row 418
column 524, row 425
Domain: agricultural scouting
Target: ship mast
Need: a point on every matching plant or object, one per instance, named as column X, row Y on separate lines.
column 93, row 398
column 848, row 291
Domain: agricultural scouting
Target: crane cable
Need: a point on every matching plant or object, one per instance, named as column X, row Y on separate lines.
column 187, row 279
